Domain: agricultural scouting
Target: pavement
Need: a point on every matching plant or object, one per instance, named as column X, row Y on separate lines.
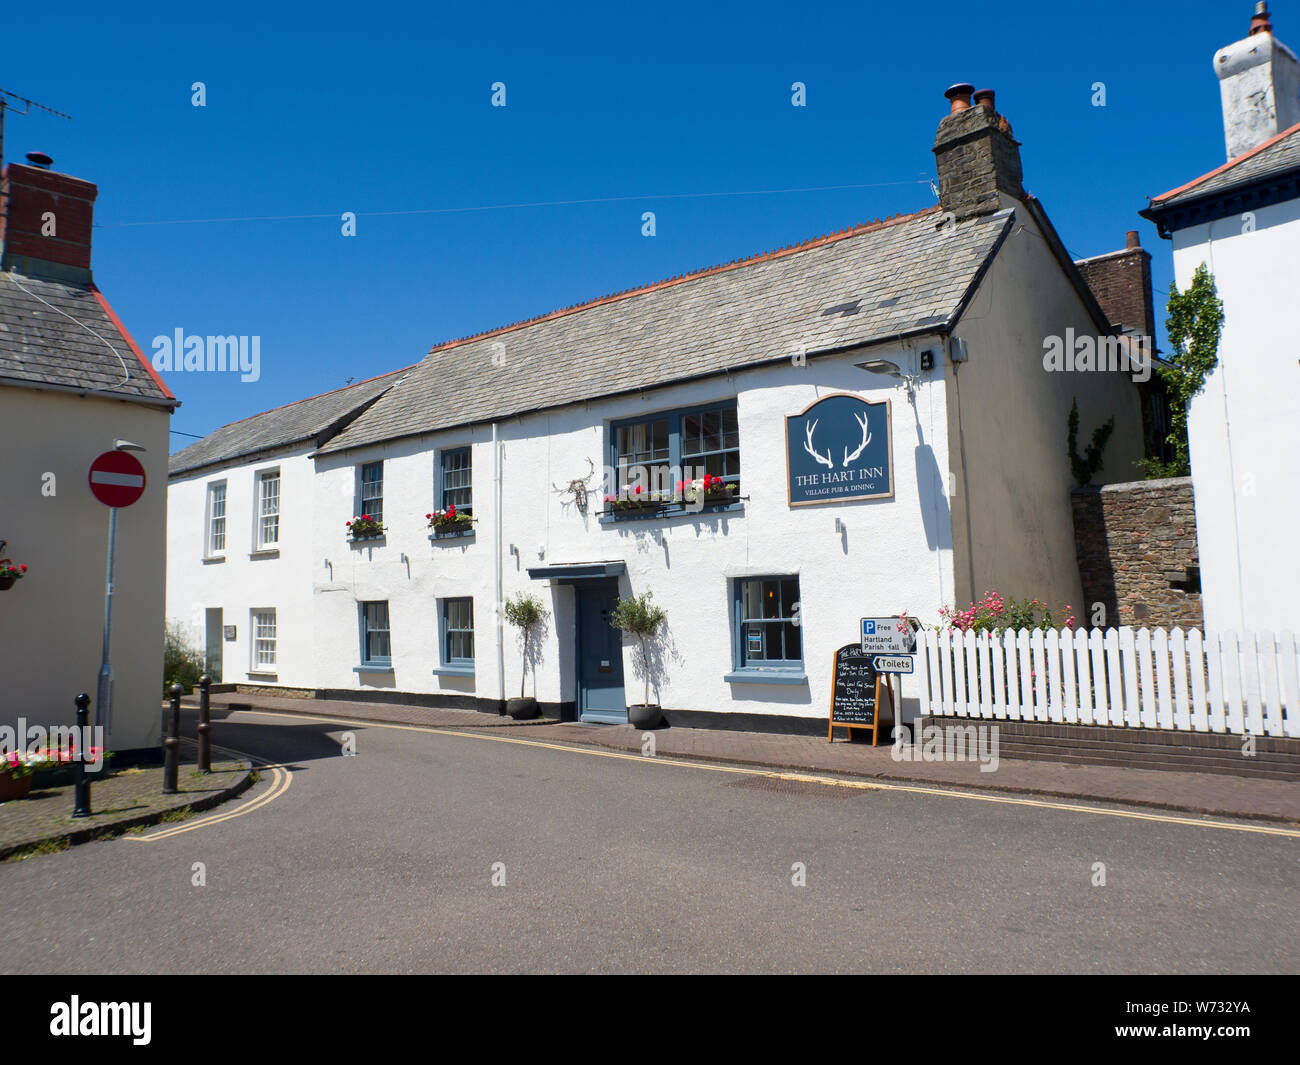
column 500, row 849
column 1200, row 793
column 126, row 799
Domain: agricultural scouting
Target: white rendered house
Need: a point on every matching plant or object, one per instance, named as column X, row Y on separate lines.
column 239, row 542
column 1243, row 221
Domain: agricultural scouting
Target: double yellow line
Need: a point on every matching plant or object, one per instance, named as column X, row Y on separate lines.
column 281, row 778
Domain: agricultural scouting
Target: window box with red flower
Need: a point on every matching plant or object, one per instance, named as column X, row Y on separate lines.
column 691, row 497
column 450, row 523
column 365, row 528
column 707, row 489
column 636, row 502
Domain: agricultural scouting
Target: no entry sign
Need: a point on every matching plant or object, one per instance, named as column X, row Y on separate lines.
column 117, row 479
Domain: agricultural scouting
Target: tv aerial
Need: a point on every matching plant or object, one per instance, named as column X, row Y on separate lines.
column 8, row 102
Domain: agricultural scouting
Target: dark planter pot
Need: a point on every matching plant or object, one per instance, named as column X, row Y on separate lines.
column 12, row 787
column 522, row 709
column 7, row 582
column 645, row 716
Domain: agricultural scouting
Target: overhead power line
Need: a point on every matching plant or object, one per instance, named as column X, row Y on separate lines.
column 511, row 206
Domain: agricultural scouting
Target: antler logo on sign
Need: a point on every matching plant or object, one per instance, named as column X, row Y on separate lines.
column 839, row 449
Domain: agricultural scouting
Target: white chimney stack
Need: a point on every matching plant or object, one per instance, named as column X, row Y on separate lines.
column 1259, row 79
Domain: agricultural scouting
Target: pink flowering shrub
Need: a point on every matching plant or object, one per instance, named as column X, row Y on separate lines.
column 994, row 613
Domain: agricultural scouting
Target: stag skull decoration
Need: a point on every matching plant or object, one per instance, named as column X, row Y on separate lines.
column 578, row 489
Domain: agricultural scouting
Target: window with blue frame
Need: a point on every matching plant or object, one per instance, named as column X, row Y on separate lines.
column 767, row 624
column 458, row 632
column 372, row 491
column 457, row 480
column 376, row 649
column 657, row 451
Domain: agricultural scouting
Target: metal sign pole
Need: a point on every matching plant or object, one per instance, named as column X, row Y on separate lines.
column 104, row 702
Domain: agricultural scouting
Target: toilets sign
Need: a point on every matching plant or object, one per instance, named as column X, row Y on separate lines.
column 839, row 449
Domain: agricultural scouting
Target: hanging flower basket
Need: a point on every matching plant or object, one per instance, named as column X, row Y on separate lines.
column 10, row 573
column 15, row 777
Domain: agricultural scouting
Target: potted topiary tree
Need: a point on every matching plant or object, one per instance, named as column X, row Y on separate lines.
column 639, row 617
column 526, row 613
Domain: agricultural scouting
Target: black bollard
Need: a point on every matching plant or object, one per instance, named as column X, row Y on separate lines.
column 205, row 726
column 81, row 783
column 172, row 744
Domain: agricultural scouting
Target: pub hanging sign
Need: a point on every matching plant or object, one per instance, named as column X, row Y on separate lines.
column 839, row 449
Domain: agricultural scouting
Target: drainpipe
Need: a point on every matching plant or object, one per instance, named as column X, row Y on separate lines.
column 965, row 480
column 496, row 559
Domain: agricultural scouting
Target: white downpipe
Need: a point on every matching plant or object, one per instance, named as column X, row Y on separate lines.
column 496, row 558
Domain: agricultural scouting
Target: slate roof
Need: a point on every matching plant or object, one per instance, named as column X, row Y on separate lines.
column 1277, row 155
column 306, row 420
column 902, row 276
column 57, row 333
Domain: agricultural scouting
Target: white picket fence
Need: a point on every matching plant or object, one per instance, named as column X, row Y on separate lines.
column 1216, row 682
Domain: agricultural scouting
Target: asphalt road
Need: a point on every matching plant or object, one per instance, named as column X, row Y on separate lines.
column 384, row 862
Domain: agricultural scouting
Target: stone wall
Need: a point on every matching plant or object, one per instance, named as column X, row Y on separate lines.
column 1136, row 546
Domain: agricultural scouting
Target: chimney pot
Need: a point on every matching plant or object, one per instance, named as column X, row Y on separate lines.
column 1132, row 240
column 985, row 98
column 1260, row 22
column 959, row 96
column 40, row 159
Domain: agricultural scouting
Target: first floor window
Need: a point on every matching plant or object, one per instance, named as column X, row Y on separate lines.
column 216, row 519
column 457, row 480
column 268, row 509
column 767, row 622
column 375, row 647
column 264, row 638
column 372, row 491
column 458, row 631
column 642, row 455
column 655, row 452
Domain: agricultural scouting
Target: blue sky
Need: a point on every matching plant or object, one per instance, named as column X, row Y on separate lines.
column 324, row 108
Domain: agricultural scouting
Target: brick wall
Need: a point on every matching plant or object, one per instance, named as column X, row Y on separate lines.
column 1121, row 281
column 38, row 199
column 1136, row 546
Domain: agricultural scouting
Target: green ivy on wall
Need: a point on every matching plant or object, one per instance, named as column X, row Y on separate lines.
column 1194, row 325
column 1089, row 463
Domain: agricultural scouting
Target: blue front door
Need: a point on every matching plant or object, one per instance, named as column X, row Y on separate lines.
column 600, row 655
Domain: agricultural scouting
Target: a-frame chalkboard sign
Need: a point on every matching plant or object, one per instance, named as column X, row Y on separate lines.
column 856, row 694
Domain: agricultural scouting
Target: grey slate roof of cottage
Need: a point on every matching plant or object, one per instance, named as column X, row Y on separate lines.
column 1276, row 156
column 61, row 334
column 902, row 276
column 306, row 420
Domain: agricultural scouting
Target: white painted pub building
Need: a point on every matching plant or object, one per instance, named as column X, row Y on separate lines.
column 873, row 404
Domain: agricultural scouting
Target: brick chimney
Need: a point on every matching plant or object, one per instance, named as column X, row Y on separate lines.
column 1121, row 281
column 1259, row 81
column 46, row 223
column 977, row 157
